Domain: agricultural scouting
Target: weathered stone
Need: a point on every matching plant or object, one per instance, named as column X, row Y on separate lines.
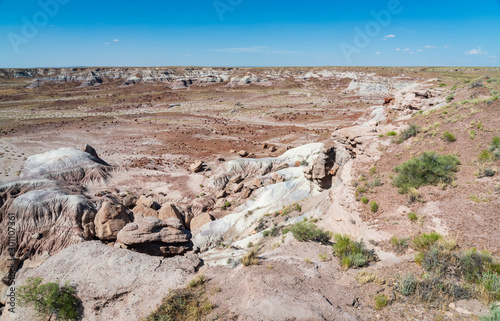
column 272, row 149
column 196, row 166
column 156, row 237
column 235, row 179
column 148, row 202
column 110, row 219
column 141, row 210
column 170, row 211
column 247, row 191
column 243, row 153
column 90, row 150
column 129, row 201
column 282, row 166
column 277, row 178
column 220, row 194
column 257, row 182
column 198, row 221
column 238, row 188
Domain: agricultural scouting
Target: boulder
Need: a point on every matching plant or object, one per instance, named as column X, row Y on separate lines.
column 148, row 202
column 130, row 201
column 109, row 220
column 198, row 221
column 141, row 210
column 156, row 237
column 277, row 178
column 282, row 166
column 238, row 188
column 243, row 153
column 220, row 194
column 257, row 182
column 170, row 211
column 235, row 179
column 196, row 167
column 246, row 192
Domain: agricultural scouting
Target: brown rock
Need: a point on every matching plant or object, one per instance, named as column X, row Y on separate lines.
column 198, row 221
column 251, row 155
column 238, row 188
column 110, row 219
column 170, row 211
column 282, row 166
column 148, row 202
column 243, row 153
column 129, row 201
column 265, row 146
column 246, row 192
column 277, row 178
column 196, row 166
column 156, row 237
column 141, row 210
column 272, row 149
column 257, row 182
column 220, row 194
column 235, row 179
column 8, row 269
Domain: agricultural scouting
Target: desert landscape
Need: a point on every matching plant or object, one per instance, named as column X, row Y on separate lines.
column 284, row 193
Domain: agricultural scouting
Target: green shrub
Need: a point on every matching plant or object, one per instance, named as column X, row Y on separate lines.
column 399, row 244
column 425, row 241
column 490, row 283
column 391, row 133
column 411, row 131
column 50, row 299
column 473, row 264
column 412, row 216
column 351, row 253
column 364, row 200
column 272, row 232
column 449, row 137
column 380, row 301
column 450, row 98
column 428, row 169
column 485, row 156
column 226, row 205
column 306, row 231
column 374, row 207
column 376, row 182
column 406, row 284
column 494, row 314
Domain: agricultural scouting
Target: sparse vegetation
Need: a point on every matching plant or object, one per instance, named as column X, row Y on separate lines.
column 50, row 299
column 188, row 304
column 364, row 200
column 406, row 134
column 306, row 231
column 494, row 314
column 406, row 284
column 412, row 216
column 424, row 241
column 428, row 169
column 366, row 276
column 351, row 253
column 380, row 301
column 449, row 137
column 391, row 133
column 374, row 207
column 399, row 244
column 251, row 258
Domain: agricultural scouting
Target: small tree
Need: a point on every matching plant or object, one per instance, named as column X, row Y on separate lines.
column 50, row 299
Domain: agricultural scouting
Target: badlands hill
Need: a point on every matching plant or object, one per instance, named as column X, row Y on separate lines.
column 253, row 193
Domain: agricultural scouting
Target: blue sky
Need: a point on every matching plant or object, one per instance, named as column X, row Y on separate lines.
column 60, row 33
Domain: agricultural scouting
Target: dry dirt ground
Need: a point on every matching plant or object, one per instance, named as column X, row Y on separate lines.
column 136, row 127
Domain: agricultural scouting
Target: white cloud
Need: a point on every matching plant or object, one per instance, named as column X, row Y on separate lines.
column 477, row 51
column 106, row 43
column 116, row 40
column 398, row 49
column 377, row 53
column 390, row 36
column 411, row 53
column 419, row 50
column 188, row 55
column 430, row 47
column 406, row 49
